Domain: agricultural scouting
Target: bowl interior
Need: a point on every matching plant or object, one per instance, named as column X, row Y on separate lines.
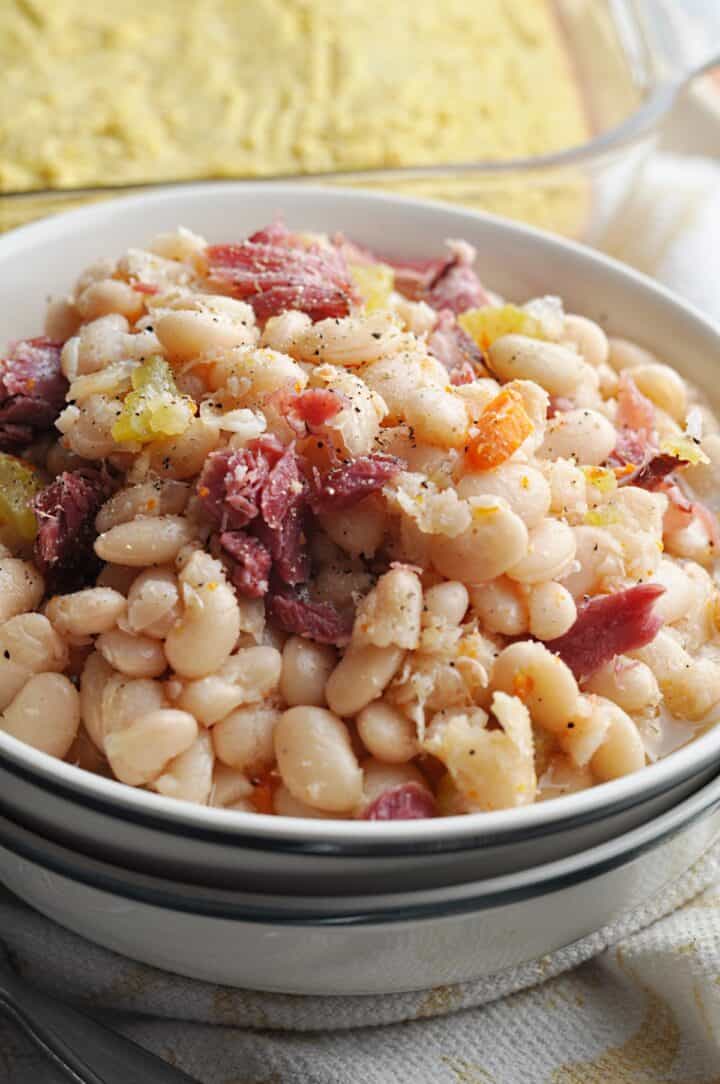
column 42, row 260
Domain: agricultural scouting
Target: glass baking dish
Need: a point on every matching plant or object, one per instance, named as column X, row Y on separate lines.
column 631, row 58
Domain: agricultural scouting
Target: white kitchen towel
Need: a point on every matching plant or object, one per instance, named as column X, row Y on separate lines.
column 637, row 1003
column 648, row 1003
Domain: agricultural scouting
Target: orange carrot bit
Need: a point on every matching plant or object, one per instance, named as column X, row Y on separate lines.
column 264, row 787
column 502, row 428
column 523, row 685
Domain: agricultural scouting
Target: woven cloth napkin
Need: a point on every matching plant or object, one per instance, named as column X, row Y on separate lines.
column 637, row 1002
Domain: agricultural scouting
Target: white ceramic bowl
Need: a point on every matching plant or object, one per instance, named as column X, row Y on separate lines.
column 144, row 832
column 359, row 945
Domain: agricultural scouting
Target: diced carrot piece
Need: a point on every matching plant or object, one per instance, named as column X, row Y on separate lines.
column 264, row 787
column 503, row 426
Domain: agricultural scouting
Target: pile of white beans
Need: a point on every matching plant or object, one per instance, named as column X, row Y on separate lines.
column 161, row 676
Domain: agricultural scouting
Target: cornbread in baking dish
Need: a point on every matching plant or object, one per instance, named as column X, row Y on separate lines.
column 98, row 94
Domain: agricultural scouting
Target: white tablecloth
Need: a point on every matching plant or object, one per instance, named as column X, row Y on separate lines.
column 645, row 1009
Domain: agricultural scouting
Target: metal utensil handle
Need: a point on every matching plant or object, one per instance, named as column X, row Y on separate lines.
column 87, row 1052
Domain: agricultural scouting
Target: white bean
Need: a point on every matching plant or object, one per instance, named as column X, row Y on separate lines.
column 204, row 636
column 147, row 499
column 61, row 319
column 95, row 676
column 495, row 540
column 247, row 677
column 622, row 750
column 190, row 334
column 139, row 753
column 228, row 785
column 154, row 540
column 437, row 416
column 583, row 435
column 153, row 602
column 306, row 667
column 524, row 488
column 126, row 699
column 691, row 687
column 679, row 595
column 21, row 587
column 663, row 387
column 541, row 680
column 45, row 714
column 587, row 337
column 286, row 805
column 358, row 531
column 550, row 551
column 316, row 761
column 107, row 296
column 189, row 776
column 555, row 368
column 501, row 607
column 626, row 355
column 136, row 656
column 387, row 734
column 599, row 560
column 244, row 738
column 88, row 427
column 86, row 613
column 360, row 676
column 28, row 645
column 552, row 610
column 96, row 345
column 629, row 682
column 183, row 457
column 447, row 602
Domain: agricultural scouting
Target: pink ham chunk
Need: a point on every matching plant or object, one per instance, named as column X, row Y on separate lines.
column 408, row 801
column 32, row 391
column 66, row 512
column 609, row 625
column 446, row 283
column 458, row 352
column 342, row 487
column 274, row 271
column 318, row 621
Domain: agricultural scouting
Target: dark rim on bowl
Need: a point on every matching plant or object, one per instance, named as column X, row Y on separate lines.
column 240, row 833
column 541, row 880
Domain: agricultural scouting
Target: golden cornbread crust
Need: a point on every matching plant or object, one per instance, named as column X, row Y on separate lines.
column 186, row 88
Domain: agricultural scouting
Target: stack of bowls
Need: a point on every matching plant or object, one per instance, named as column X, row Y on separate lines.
column 332, row 907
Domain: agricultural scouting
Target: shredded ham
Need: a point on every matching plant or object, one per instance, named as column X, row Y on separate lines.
column 445, row 283
column 609, row 625
column 307, row 411
column 408, row 801
column 342, row 487
column 32, row 391
column 458, row 352
column 66, row 512
column 273, row 273
column 318, row 621
column 652, row 473
column 250, row 563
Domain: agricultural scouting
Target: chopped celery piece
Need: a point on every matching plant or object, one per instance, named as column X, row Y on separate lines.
column 686, row 448
column 489, row 323
column 19, row 484
column 374, row 283
column 154, row 408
